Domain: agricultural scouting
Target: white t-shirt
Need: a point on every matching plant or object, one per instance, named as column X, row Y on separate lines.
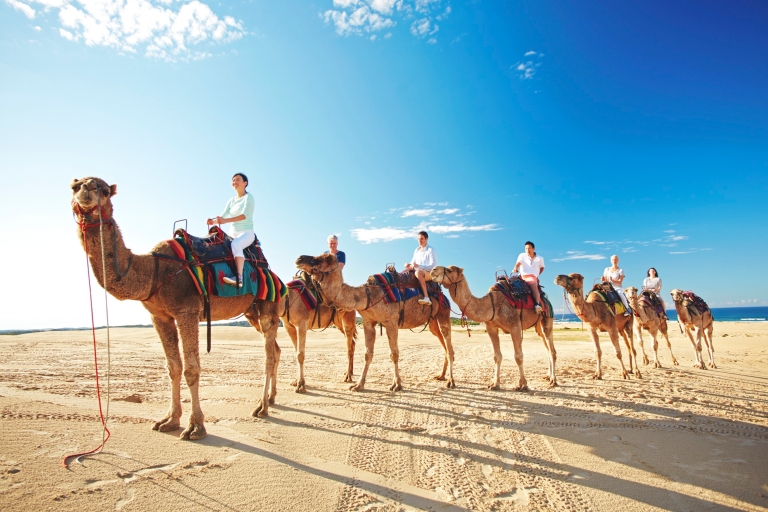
column 613, row 276
column 652, row 283
column 530, row 265
column 425, row 258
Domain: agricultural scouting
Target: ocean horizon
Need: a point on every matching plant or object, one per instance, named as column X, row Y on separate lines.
column 752, row 314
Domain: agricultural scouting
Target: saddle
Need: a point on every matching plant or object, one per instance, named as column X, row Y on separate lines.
column 696, row 301
column 217, row 246
column 403, row 280
column 305, row 287
column 607, row 293
column 519, row 294
column 651, row 299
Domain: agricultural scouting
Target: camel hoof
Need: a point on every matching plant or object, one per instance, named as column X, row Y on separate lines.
column 552, row 384
column 625, row 375
column 450, row 384
column 438, row 377
column 396, row 387
column 657, row 364
column 713, row 365
column 294, row 383
column 646, row 362
column 674, row 362
column 193, row 433
column 522, row 388
column 700, row 366
column 357, row 387
column 493, row 386
column 166, row 425
column 300, row 388
column 597, row 376
column 260, row 411
column 637, row 374
column 348, row 378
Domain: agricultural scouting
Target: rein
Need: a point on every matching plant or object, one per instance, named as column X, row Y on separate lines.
column 87, row 222
column 567, row 300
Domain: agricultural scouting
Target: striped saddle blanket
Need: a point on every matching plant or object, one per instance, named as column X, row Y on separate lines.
column 696, row 301
column 306, row 292
column 610, row 297
column 518, row 294
column 393, row 292
column 651, row 300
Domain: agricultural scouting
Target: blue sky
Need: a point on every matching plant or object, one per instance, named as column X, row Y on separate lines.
column 591, row 128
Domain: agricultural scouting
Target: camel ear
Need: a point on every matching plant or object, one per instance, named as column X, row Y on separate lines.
column 75, row 185
column 112, row 190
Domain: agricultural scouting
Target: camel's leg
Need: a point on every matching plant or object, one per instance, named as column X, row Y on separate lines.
column 629, row 340
column 369, row 330
column 544, row 330
column 266, row 322
column 394, row 356
column 695, row 336
column 300, row 383
column 517, row 343
column 350, row 329
column 639, row 332
column 663, row 329
column 707, row 335
column 614, row 334
column 189, row 330
column 434, row 328
column 598, row 352
column 166, row 330
column 654, row 332
column 493, row 333
column 445, row 328
column 293, row 333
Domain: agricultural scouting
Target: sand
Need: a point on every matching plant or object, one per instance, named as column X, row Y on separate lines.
column 677, row 439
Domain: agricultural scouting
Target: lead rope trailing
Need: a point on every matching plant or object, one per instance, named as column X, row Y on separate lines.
column 104, row 417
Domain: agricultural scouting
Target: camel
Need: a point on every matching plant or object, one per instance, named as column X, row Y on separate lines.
column 497, row 313
column 297, row 319
column 369, row 302
column 697, row 326
column 173, row 302
column 599, row 317
column 647, row 318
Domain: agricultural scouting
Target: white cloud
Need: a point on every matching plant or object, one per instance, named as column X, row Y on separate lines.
column 426, row 212
column 578, row 255
column 594, row 242
column 527, row 69
column 452, row 236
column 22, row 7
column 529, row 53
column 390, row 234
column 37, row 29
column 454, row 228
column 151, row 26
column 362, row 17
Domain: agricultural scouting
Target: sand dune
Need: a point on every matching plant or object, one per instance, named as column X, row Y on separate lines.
column 679, row 439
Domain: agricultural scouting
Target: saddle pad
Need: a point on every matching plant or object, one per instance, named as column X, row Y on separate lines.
column 697, row 301
column 651, row 300
column 617, row 308
column 307, row 297
column 217, row 246
column 262, row 283
column 195, row 272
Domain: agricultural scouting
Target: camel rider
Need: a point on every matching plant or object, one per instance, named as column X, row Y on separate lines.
column 615, row 276
column 652, row 283
column 423, row 261
column 530, row 266
column 238, row 212
column 333, row 248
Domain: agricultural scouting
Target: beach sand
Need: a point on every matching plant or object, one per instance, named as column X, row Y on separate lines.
column 677, row 439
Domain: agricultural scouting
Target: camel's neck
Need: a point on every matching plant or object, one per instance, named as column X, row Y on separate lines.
column 682, row 312
column 477, row 309
column 634, row 303
column 343, row 296
column 133, row 285
column 583, row 309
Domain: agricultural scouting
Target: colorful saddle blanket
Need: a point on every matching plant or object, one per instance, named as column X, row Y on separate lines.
column 208, row 268
column 519, row 294
column 696, row 301
column 396, row 292
column 309, row 296
column 262, row 283
column 605, row 293
column 217, row 246
column 651, row 300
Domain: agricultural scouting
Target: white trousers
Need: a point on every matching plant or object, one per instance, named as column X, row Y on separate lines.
column 241, row 241
column 621, row 295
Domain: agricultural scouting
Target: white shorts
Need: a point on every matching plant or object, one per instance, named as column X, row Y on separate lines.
column 241, row 241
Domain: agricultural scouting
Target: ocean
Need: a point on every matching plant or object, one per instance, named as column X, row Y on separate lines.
column 750, row 314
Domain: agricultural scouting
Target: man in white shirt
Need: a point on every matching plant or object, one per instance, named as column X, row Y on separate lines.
column 530, row 266
column 423, row 261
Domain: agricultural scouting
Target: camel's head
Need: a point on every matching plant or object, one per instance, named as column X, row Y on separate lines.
column 318, row 266
column 90, row 193
column 570, row 282
column 447, row 276
column 677, row 294
column 631, row 292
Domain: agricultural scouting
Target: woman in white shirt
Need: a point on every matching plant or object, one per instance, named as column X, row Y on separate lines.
column 238, row 212
column 615, row 276
column 652, row 283
column 530, row 266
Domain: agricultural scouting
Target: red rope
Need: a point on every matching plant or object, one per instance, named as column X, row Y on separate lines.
column 96, row 365
column 568, row 301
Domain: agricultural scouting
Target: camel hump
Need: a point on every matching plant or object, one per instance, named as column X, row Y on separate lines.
column 696, row 301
